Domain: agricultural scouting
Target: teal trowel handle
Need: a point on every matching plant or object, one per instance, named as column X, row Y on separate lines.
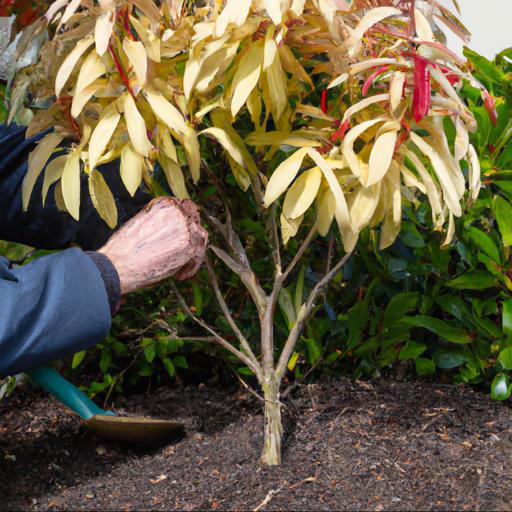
column 65, row 392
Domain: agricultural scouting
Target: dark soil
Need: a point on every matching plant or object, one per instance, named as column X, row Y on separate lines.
column 356, row 446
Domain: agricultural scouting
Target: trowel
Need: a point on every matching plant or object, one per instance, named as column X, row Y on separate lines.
column 106, row 424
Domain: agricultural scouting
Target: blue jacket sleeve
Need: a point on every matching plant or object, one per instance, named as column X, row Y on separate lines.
column 50, row 308
column 47, row 227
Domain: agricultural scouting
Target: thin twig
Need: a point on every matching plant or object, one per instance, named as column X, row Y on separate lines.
column 225, row 310
column 299, row 254
column 275, row 239
column 303, row 316
column 246, row 386
column 219, row 339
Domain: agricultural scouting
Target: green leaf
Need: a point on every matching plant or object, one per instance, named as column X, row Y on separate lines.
column 180, row 362
column 439, row 327
column 484, row 242
column 78, row 358
column 507, row 317
column 169, row 366
column 484, row 68
column 411, row 236
column 425, row 366
column 399, row 306
column 448, row 359
column 105, row 361
column 411, row 350
column 505, row 358
column 150, row 353
column 500, row 389
column 245, row 371
column 314, row 351
column 477, row 280
column 502, row 210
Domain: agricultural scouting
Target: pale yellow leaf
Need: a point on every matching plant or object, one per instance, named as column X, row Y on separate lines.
column 36, row 162
column 80, row 99
column 69, row 11
column 461, row 140
column 274, row 12
column 102, row 199
column 290, row 227
column 70, row 62
column 297, row 7
column 357, row 166
column 167, row 144
column 131, row 167
column 103, row 31
column 275, row 79
column 423, row 29
column 235, row 11
column 166, row 111
column 372, row 17
column 246, row 77
column 381, row 156
column 475, row 183
column 433, row 193
column 338, row 81
column 136, row 53
column 136, row 126
column 363, row 203
column 59, row 199
column 193, row 153
column 396, row 89
column 53, row 173
column 222, row 137
column 174, row 176
column 293, row 65
column 283, row 176
column 377, row 62
column 91, row 70
column 302, row 193
column 326, row 209
column 361, row 105
column 102, row 134
column 450, row 231
column 443, row 173
column 71, row 184
column 348, row 235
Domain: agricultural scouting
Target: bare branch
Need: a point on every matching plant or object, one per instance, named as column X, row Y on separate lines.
column 225, row 310
column 219, row 339
column 248, row 278
column 304, row 313
column 300, row 253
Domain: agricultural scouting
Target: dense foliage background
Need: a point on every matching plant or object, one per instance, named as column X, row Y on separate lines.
column 413, row 309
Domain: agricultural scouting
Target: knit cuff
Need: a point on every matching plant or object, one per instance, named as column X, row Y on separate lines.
column 110, row 278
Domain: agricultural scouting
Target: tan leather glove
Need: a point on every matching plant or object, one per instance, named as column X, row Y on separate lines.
column 164, row 240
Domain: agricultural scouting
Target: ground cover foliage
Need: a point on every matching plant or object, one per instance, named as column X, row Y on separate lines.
column 386, row 125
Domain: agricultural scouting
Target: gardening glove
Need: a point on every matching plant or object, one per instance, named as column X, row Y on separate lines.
column 164, row 240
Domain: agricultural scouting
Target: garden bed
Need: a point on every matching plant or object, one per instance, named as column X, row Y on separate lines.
column 356, row 446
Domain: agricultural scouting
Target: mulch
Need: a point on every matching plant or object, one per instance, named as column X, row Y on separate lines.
column 382, row 445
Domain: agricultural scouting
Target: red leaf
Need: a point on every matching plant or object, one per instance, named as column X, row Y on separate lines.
column 422, row 88
column 490, row 105
column 369, row 81
column 341, row 131
column 324, row 103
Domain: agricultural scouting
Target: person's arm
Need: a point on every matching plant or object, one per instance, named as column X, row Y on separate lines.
column 48, row 228
column 61, row 304
column 53, row 307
